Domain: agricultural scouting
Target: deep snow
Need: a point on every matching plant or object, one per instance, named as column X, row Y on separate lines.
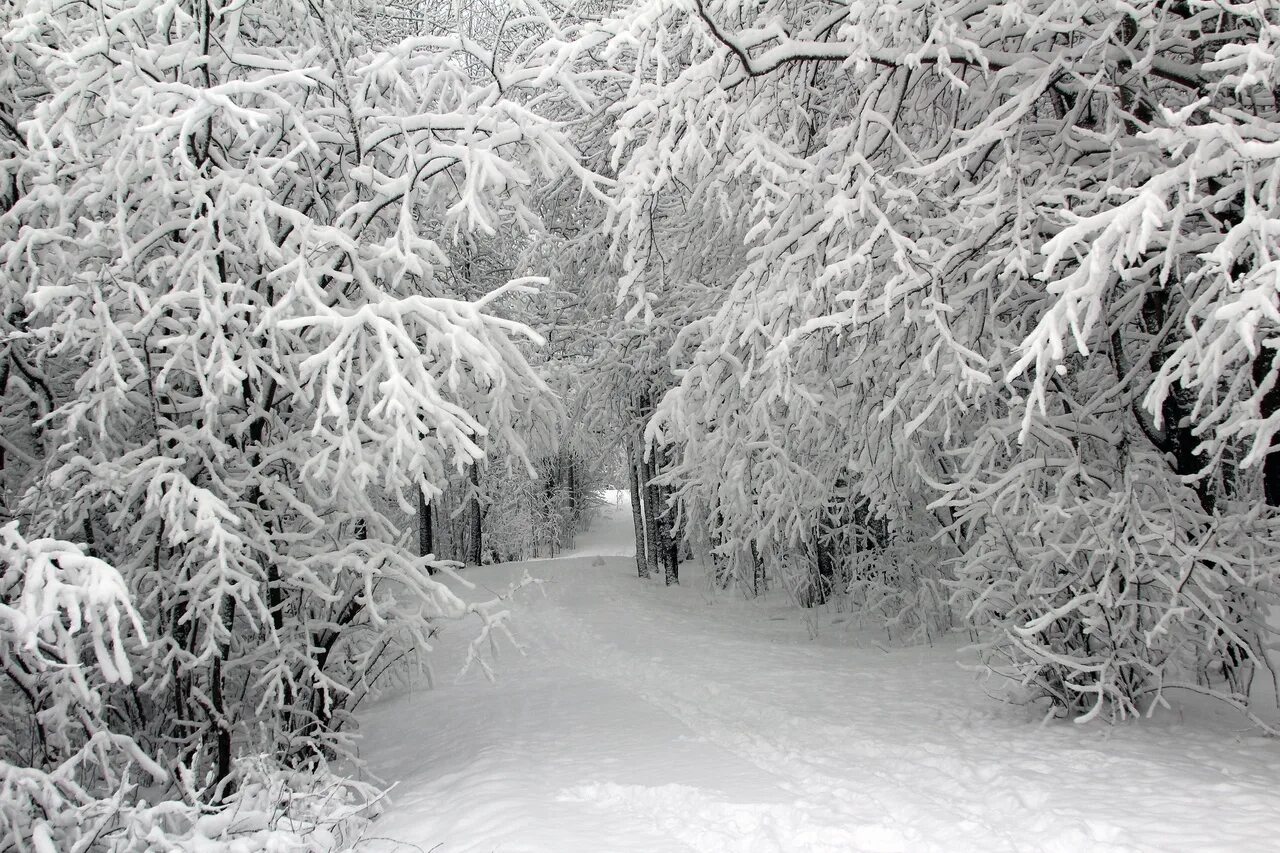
column 642, row 718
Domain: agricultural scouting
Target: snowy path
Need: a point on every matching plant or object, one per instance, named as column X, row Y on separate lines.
column 649, row 719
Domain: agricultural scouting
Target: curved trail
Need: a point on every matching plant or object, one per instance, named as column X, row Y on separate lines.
column 649, row 719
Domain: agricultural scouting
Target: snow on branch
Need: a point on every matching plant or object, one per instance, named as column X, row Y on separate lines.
column 50, row 591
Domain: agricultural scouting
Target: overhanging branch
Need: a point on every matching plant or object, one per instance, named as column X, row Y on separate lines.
column 788, row 51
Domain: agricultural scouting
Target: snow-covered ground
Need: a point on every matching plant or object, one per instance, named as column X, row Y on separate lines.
column 643, row 718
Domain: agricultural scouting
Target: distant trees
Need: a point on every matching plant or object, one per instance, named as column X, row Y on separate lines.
column 526, row 513
column 994, row 317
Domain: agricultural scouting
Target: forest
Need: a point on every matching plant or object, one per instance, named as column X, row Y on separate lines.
column 956, row 316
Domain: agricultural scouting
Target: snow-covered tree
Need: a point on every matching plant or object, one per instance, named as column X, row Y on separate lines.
column 226, row 252
column 934, row 205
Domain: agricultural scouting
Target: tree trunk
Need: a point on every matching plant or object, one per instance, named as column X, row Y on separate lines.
column 574, row 511
column 1262, row 366
column 670, row 548
column 550, row 510
column 637, row 511
column 475, row 544
column 652, row 553
column 426, row 535
column 222, row 735
column 222, row 786
column 759, row 583
column 822, row 576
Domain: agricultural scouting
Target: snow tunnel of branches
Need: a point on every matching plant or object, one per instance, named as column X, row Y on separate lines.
column 951, row 317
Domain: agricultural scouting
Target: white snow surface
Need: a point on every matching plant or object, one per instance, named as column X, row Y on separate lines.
column 645, row 718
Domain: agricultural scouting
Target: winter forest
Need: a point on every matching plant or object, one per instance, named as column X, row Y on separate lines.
column 944, row 333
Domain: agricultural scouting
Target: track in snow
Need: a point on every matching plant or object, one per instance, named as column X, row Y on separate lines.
column 649, row 719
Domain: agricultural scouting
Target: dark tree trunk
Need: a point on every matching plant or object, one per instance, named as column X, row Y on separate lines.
column 670, row 548
column 1264, row 366
column 222, row 735
column 653, row 554
column 572, row 486
column 550, row 510
column 637, row 510
column 822, row 572
column 222, row 786
column 426, row 535
column 759, row 583
column 475, row 544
